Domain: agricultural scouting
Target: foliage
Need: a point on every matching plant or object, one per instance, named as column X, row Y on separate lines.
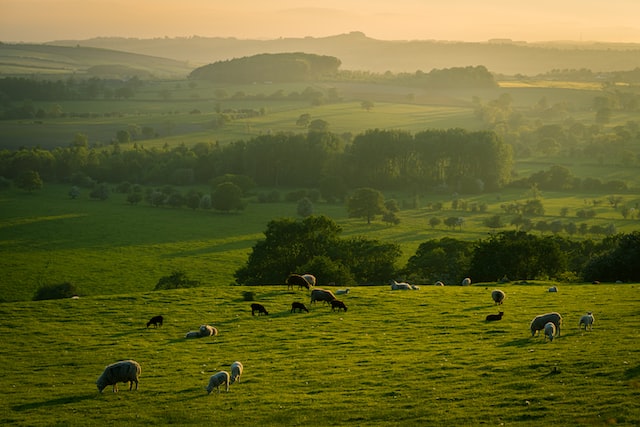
column 176, row 280
column 55, row 291
column 618, row 263
column 446, row 260
column 227, row 197
column 304, row 207
column 29, row 180
column 366, row 203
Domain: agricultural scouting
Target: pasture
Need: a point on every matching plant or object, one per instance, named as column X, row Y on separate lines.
column 394, row 358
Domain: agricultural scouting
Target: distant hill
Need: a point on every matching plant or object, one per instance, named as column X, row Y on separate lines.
column 49, row 60
column 356, row 51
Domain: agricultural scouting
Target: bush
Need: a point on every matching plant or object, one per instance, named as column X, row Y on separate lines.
column 177, row 280
column 57, row 291
column 248, row 296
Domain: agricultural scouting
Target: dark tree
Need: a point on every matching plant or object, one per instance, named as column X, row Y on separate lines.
column 366, row 203
column 227, row 197
column 29, row 180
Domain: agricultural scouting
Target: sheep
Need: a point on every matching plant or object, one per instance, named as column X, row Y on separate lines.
column 587, row 320
column 208, row 331
column 236, row 371
column 538, row 323
column 322, row 295
column 342, row 291
column 120, row 372
column 298, row 306
column 549, row 331
column 217, row 380
column 439, row 283
column 297, row 280
column 492, row 317
column 155, row 321
column 311, row 280
column 553, row 289
column 259, row 308
column 193, row 334
column 402, row 286
column 466, row 282
column 338, row 304
column 497, row 296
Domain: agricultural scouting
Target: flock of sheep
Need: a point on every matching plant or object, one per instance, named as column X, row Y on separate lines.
column 128, row 371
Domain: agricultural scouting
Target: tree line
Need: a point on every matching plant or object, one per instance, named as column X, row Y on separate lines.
column 314, row 245
column 385, row 159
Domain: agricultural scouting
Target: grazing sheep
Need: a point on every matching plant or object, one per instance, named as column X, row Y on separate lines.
column 155, row 321
column 322, row 295
column 217, row 380
column 236, row 371
column 587, row 320
column 538, row 323
column 549, row 331
column 342, row 291
column 259, row 308
column 208, row 331
column 125, row 371
column 311, row 280
column 492, row 317
column 439, row 283
column 338, row 304
column 466, row 282
column 193, row 334
column 297, row 280
column 553, row 289
column 298, row 306
column 401, row 286
column 497, row 296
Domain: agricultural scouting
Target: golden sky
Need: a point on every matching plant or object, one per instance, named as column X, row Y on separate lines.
column 468, row 20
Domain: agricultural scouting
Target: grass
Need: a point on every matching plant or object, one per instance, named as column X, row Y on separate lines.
column 394, row 358
column 111, row 247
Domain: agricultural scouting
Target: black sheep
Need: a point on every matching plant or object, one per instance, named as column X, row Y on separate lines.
column 259, row 308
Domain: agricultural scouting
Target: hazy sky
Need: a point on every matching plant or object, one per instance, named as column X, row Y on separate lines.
column 470, row 20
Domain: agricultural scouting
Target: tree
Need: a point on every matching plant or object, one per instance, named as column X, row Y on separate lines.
column 367, row 105
column 366, row 203
column 434, row 221
column 176, row 280
column 29, row 180
column 227, row 197
column 318, row 125
column 100, row 192
column 446, row 259
column 303, row 120
column 305, row 207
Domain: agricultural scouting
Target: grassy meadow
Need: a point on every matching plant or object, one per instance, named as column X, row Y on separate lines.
column 423, row 357
column 110, row 247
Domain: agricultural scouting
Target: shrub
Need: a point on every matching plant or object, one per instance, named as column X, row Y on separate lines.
column 56, row 291
column 177, row 280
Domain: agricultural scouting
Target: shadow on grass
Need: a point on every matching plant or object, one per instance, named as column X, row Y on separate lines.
column 518, row 342
column 55, row 402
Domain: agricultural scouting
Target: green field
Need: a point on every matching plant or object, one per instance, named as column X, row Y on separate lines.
column 401, row 358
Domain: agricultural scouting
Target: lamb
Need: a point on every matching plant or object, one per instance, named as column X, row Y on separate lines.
column 217, row 380
column 549, row 331
column 553, row 289
column 120, row 372
column 402, row 286
column 322, row 295
column 587, row 320
column 337, row 304
column 298, row 306
column 497, row 296
column 208, row 331
column 155, row 321
column 342, row 291
column 236, row 371
column 492, row 317
column 538, row 323
column 466, row 282
column 259, row 308
column 311, row 280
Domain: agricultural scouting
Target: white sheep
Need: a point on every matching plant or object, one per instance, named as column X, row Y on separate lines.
column 402, row 286
column 439, row 283
column 124, row 371
column 208, row 331
column 497, row 296
column 217, row 380
column 236, row 371
column 549, row 331
column 553, row 289
column 538, row 323
column 466, row 282
column 587, row 320
column 342, row 291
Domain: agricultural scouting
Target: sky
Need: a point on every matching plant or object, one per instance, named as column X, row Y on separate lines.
column 459, row 20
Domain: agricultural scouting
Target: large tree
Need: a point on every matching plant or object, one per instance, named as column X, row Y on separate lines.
column 366, row 203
